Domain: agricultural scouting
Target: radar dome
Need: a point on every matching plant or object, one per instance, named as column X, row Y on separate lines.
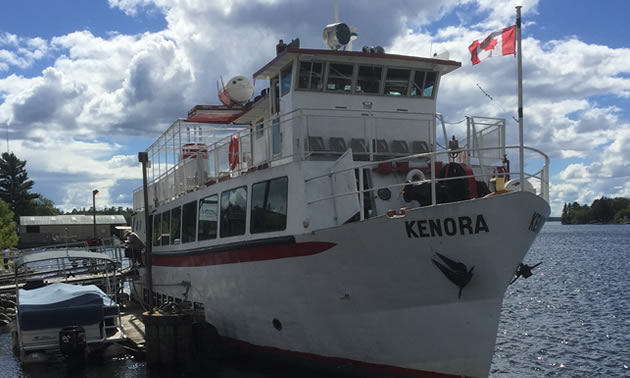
column 237, row 90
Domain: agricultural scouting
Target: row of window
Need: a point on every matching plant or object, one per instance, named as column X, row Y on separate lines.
column 357, row 78
column 226, row 215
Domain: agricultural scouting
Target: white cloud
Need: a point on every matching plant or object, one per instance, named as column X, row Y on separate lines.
column 20, row 52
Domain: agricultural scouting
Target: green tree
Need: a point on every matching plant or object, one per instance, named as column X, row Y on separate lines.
column 602, row 210
column 622, row 216
column 42, row 206
column 15, row 185
column 8, row 235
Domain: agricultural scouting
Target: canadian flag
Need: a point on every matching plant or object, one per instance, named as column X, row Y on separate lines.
column 497, row 42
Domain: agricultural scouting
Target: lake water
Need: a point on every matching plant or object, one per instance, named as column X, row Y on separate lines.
column 571, row 319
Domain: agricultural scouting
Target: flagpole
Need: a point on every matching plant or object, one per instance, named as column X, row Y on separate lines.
column 519, row 63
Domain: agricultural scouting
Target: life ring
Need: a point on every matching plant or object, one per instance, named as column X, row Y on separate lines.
column 233, row 152
column 415, row 175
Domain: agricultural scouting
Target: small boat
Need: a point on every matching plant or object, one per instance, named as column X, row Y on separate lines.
column 58, row 311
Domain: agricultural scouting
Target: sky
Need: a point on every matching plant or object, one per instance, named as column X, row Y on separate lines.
column 86, row 85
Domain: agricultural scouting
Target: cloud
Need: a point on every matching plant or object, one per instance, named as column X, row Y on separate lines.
column 20, row 52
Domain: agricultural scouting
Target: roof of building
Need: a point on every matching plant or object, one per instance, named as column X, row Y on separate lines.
column 67, row 220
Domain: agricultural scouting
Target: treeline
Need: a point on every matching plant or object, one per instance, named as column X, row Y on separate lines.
column 603, row 210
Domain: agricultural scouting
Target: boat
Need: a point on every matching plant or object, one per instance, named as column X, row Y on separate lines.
column 65, row 302
column 335, row 219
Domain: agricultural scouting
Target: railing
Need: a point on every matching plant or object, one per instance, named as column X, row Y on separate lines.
column 289, row 137
column 283, row 138
column 541, row 175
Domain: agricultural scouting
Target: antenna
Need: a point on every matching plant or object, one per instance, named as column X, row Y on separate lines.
column 336, row 6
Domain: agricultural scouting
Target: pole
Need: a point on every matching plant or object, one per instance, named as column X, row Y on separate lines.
column 519, row 69
column 94, row 193
column 143, row 157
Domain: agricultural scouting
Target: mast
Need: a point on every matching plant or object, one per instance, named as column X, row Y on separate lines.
column 519, row 69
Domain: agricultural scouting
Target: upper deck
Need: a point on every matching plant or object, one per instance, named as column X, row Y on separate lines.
column 317, row 105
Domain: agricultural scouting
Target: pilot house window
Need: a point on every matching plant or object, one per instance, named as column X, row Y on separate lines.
column 310, row 76
column 286, row 79
column 269, row 205
column 368, row 79
column 339, row 77
column 397, row 82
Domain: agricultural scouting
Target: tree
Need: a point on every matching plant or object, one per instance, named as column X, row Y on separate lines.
column 602, row 210
column 42, row 206
column 8, row 236
column 15, row 185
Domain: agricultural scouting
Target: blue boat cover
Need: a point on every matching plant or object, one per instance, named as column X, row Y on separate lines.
column 61, row 305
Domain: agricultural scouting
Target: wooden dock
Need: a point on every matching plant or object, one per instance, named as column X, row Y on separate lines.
column 131, row 319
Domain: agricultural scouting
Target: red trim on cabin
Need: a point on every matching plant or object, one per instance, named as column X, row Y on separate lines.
column 384, row 369
column 214, row 118
column 357, row 54
column 239, row 255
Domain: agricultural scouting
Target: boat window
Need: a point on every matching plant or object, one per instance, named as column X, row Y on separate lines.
column 165, row 234
column 189, row 222
column 286, row 79
column 310, row 76
column 269, row 205
column 260, row 125
column 157, row 228
column 418, row 83
column 176, row 222
column 208, row 218
column 233, row 211
column 368, row 79
column 275, row 87
column 429, row 84
column 397, row 81
column 339, row 77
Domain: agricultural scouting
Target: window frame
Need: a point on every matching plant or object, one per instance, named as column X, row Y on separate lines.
column 267, row 190
column 352, row 77
column 322, row 76
column 282, row 77
column 195, row 202
column 216, row 227
column 221, row 218
column 409, row 81
column 355, row 79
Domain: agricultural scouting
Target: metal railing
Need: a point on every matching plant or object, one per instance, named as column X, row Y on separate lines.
column 541, row 175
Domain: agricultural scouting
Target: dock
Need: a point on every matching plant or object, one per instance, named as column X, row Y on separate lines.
column 133, row 326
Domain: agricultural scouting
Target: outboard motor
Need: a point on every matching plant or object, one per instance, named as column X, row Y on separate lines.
column 72, row 342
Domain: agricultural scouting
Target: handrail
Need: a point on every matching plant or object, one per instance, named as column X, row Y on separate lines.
column 542, row 175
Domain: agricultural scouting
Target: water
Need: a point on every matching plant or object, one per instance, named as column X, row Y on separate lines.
column 571, row 319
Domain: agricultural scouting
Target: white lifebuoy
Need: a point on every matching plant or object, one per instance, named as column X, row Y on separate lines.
column 514, row 185
column 415, row 175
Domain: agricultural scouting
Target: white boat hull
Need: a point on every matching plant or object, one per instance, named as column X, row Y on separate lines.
column 369, row 293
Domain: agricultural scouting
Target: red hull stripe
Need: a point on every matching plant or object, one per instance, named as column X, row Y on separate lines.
column 385, row 369
column 242, row 254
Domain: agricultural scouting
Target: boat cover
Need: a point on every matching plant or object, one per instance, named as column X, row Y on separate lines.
column 61, row 305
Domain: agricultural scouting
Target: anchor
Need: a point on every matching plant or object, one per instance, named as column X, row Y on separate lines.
column 524, row 271
column 456, row 272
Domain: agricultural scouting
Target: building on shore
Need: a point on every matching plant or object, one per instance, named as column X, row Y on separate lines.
column 45, row 230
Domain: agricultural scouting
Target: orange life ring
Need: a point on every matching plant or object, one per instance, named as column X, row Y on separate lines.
column 233, row 152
